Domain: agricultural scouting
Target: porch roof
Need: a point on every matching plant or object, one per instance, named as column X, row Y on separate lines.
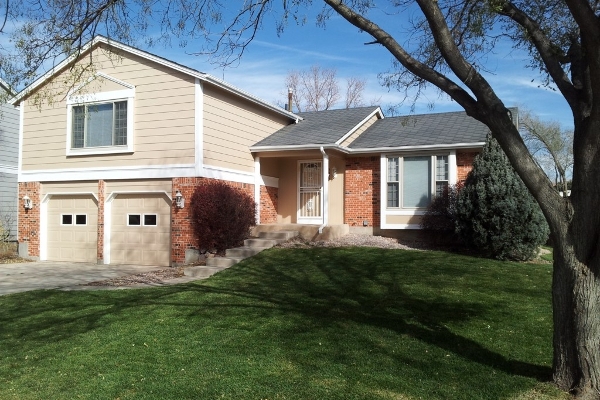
column 447, row 128
column 330, row 128
column 318, row 127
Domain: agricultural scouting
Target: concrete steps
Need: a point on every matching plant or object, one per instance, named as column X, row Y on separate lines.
column 265, row 240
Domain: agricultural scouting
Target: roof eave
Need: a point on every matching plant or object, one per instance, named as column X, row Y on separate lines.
column 159, row 60
column 443, row 146
column 446, row 146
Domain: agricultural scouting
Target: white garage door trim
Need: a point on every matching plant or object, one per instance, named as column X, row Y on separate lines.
column 108, row 216
column 44, row 218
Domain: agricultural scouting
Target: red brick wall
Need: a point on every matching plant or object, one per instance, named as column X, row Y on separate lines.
column 268, row 204
column 182, row 234
column 464, row 163
column 362, row 182
column 29, row 220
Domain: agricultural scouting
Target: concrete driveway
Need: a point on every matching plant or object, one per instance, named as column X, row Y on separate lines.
column 21, row 277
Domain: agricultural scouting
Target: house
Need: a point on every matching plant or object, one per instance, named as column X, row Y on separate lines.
column 110, row 161
column 380, row 173
column 9, row 145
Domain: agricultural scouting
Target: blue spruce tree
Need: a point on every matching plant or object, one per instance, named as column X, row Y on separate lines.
column 495, row 214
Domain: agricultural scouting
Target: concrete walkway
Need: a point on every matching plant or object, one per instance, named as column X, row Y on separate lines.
column 21, row 277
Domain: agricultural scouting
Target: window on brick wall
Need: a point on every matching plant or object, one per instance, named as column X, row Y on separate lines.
column 412, row 181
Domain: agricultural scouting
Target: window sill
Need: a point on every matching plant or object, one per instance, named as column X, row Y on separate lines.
column 90, row 151
column 411, row 211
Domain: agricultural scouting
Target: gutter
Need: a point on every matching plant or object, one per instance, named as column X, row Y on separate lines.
column 347, row 150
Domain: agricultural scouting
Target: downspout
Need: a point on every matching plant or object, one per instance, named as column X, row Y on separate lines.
column 325, row 181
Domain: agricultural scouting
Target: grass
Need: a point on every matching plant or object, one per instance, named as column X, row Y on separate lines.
column 316, row 323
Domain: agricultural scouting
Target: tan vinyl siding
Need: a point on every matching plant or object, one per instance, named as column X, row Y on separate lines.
column 403, row 219
column 164, row 108
column 359, row 131
column 231, row 126
column 70, row 187
column 336, row 191
column 139, row 186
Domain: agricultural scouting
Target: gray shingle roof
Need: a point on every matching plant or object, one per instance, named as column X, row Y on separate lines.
column 422, row 130
column 319, row 127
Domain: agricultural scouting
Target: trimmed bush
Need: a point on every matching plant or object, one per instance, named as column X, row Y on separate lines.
column 221, row 216
column 495, row 213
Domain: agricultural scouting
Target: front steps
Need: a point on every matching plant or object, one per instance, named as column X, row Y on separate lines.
column 265, row 240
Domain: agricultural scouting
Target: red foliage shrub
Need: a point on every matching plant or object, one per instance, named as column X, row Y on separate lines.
column 221, row 216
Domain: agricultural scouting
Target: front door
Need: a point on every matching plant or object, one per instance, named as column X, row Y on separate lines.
column 310, row 192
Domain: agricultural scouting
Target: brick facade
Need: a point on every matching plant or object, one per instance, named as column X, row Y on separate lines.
column 268, row 204
column 29, row 220
column 362, row 182
column 182, row 233
column 464, row 164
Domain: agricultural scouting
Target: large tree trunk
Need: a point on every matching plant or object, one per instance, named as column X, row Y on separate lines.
column 576, row 307
column 576, row 280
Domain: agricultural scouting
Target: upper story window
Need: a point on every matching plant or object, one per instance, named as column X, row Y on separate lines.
column 413, row 181
column 103, row 124
column 100, row 122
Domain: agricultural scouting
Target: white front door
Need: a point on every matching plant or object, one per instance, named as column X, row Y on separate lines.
column 310, row 192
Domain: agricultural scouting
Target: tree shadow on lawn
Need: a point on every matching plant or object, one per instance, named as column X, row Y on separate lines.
column 371, row 291
column 318, row 287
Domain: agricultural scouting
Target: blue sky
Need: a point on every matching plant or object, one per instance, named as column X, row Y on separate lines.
column 269, row 58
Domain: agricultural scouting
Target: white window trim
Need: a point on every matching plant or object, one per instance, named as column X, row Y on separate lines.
column 432, row 188
column 98, row 98
column 142, row 224
column 385, row 211
column 73, row 219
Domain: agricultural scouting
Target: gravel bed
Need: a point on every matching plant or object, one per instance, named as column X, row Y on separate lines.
column 350, row 240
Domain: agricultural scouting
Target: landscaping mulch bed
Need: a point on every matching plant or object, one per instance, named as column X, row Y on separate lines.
column 147, row 278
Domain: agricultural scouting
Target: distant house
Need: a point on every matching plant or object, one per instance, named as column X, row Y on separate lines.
column 105, row 163
column 9, row 146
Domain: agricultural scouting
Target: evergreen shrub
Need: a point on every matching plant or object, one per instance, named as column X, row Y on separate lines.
column 441, row 213
column 495, row 213
column 221, row 216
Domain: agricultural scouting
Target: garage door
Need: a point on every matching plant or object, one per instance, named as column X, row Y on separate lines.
column 72, row 228
column 141, row 229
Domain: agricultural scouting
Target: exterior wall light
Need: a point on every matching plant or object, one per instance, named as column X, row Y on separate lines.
column 333, row 173
column 27, row 203
column 179, row 200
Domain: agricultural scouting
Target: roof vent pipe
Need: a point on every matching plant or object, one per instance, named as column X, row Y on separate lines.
column 290, row 96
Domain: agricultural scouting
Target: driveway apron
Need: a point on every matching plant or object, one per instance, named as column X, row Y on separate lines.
column 21, row 277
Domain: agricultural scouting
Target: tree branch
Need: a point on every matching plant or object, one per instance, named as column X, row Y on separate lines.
column 544, row 46
column 413, row 65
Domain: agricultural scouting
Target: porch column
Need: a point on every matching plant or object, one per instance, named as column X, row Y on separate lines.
column 452, row 169
column 325, row 181
column 257, row 182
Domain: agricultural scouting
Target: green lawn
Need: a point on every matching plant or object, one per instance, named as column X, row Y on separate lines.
column 317, row 323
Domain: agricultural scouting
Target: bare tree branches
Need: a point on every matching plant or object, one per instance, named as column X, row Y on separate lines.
column 318, row 89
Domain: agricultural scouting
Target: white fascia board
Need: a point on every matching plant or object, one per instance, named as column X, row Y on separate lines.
column 116, row 173
column 255, row 149
column 226, row 174
column 347, row 150
column 360, row 124
column 417, row 148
